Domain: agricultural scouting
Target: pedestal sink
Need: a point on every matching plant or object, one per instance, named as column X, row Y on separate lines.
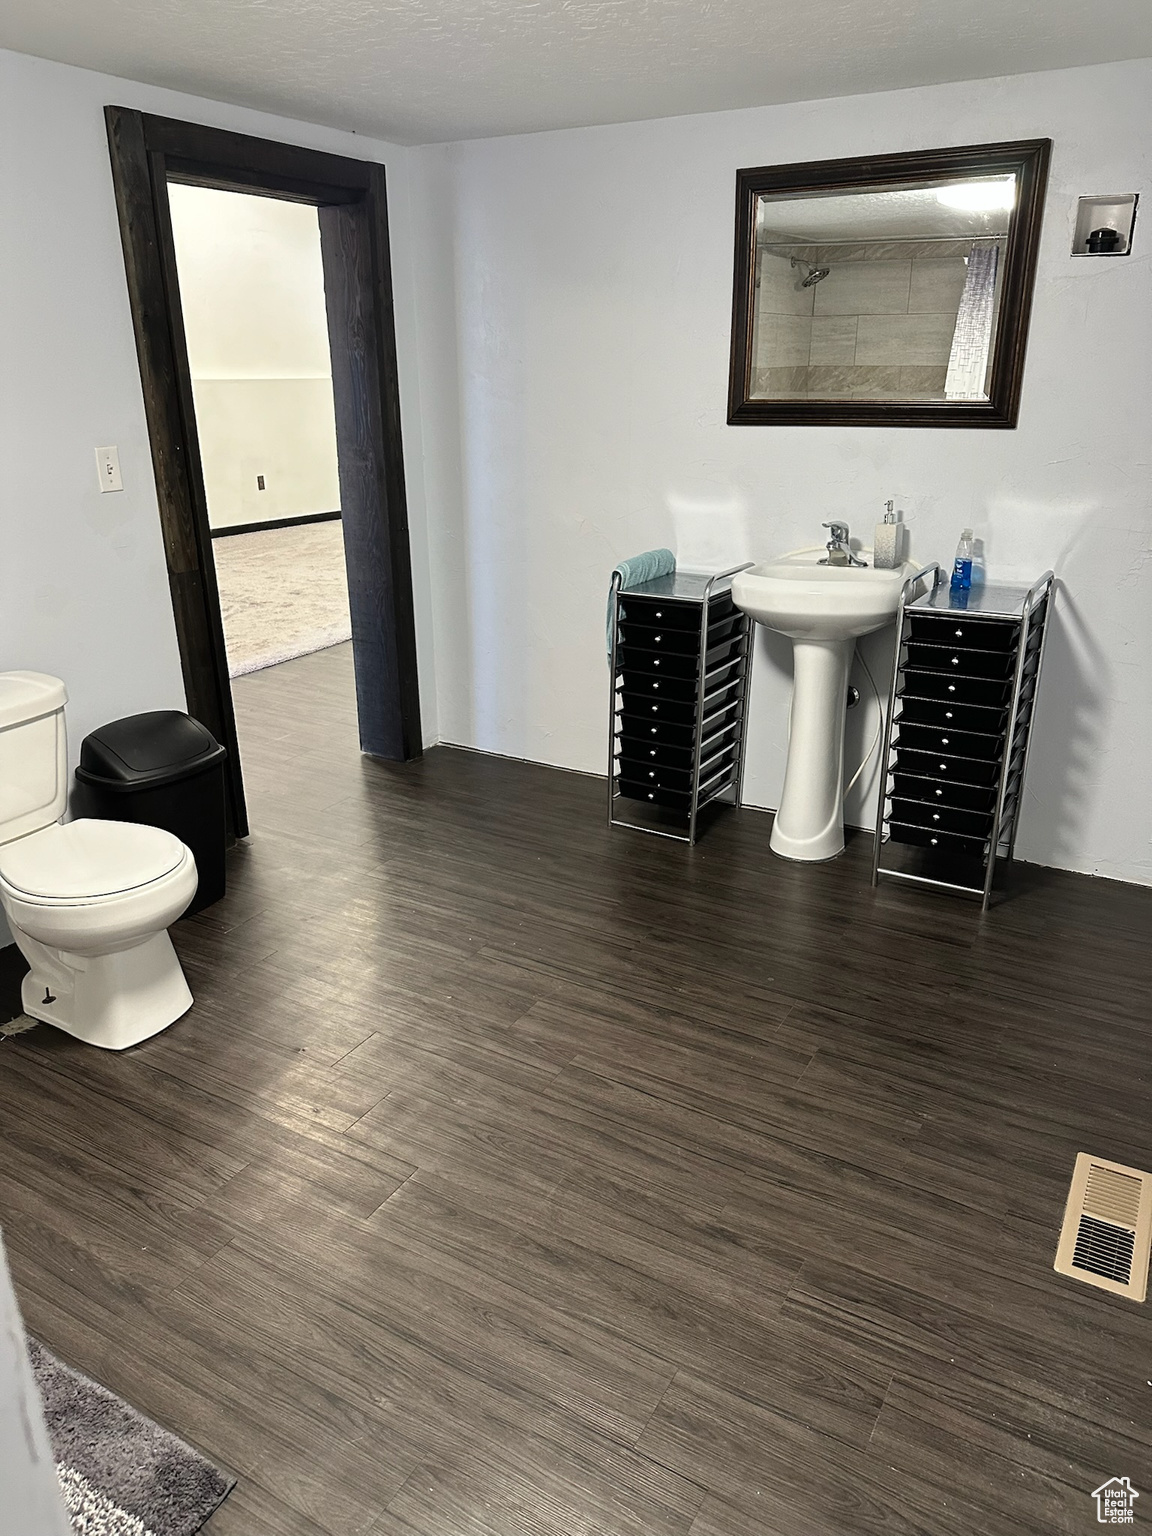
column 822, row 609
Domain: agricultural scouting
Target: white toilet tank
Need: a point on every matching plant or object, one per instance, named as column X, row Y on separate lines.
column 33, row 753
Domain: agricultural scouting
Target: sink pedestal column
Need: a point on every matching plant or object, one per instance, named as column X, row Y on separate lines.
column 810, row 822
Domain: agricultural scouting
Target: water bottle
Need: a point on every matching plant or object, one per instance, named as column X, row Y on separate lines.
column 962, row 566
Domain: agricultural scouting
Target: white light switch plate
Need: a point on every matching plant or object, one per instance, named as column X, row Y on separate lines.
column 108, row 467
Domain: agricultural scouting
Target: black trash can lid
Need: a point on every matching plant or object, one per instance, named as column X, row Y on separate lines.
column 142, row 751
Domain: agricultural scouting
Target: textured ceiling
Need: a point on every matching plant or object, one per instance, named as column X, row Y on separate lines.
column 900, row 215
column 419, row 71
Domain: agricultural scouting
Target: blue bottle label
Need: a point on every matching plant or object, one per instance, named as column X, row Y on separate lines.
column 962, row 573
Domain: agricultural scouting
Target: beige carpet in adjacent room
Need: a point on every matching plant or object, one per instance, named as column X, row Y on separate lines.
column 283, row 593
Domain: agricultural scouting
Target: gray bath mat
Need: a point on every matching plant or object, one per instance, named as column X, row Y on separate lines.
column 121, row 1474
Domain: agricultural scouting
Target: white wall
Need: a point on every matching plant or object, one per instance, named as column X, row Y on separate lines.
column 83, row 586
column 268, row 447
column 252, row 296
column 574, row 304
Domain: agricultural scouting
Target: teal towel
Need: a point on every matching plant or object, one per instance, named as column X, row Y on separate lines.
column 638, row 570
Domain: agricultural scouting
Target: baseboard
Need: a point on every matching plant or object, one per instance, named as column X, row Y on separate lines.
column 13, row 969
column 275, row 522
column 509, row 757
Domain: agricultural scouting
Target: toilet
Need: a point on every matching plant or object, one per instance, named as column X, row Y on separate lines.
column 88, row 902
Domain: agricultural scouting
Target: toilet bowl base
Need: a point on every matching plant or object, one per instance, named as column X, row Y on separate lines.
column 113, row 1000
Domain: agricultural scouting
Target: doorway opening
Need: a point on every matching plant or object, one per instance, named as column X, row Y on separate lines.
column 252, row 295
column 153, row 160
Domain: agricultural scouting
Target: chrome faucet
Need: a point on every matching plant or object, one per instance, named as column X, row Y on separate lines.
column 839, row 548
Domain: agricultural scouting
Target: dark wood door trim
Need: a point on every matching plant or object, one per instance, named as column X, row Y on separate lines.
column 167, row 386
column 146, row 153
column 366, row 398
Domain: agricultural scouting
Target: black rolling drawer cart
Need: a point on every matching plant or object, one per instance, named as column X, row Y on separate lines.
column 964, row 685
column 680, row 656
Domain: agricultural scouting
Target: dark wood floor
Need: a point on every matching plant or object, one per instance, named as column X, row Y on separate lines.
column 514, row 1178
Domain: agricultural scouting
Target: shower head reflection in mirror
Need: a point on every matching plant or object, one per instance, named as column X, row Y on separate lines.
column 815, row 274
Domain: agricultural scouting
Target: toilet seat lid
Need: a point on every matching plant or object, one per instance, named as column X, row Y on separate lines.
column 82, row 860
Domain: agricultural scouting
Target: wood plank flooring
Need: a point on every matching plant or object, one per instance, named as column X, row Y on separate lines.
column 515, row 1178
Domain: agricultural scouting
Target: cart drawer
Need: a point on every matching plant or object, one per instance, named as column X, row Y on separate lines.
column 932, row 738
column 961, row 717
column 969, row 797
column 943, row 842
column 673, row 614
column 974, row 634
column 660, row 708
column 960, row 662
column 941, row 818
column 964, row 770
column 658, row 685
column 664, row 704
column 961, row 690
column 686, row 642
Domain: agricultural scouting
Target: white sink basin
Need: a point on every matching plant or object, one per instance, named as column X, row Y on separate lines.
column 807, row 601
column 822, row 609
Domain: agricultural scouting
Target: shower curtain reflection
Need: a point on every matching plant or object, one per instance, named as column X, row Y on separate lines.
column 967, row 377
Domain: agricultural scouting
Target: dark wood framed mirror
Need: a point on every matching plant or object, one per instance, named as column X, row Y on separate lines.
column 888, row 290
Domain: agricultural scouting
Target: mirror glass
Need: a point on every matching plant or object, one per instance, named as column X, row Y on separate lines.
column 889, row 293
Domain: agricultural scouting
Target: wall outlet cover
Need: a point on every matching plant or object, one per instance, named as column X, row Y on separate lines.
column 108, row 469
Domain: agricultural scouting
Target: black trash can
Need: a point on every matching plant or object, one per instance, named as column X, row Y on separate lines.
column 166, row 770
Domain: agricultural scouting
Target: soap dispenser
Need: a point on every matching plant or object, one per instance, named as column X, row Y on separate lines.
column 885, row 543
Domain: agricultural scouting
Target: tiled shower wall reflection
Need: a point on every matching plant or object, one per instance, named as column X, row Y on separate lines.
column 879, row 326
